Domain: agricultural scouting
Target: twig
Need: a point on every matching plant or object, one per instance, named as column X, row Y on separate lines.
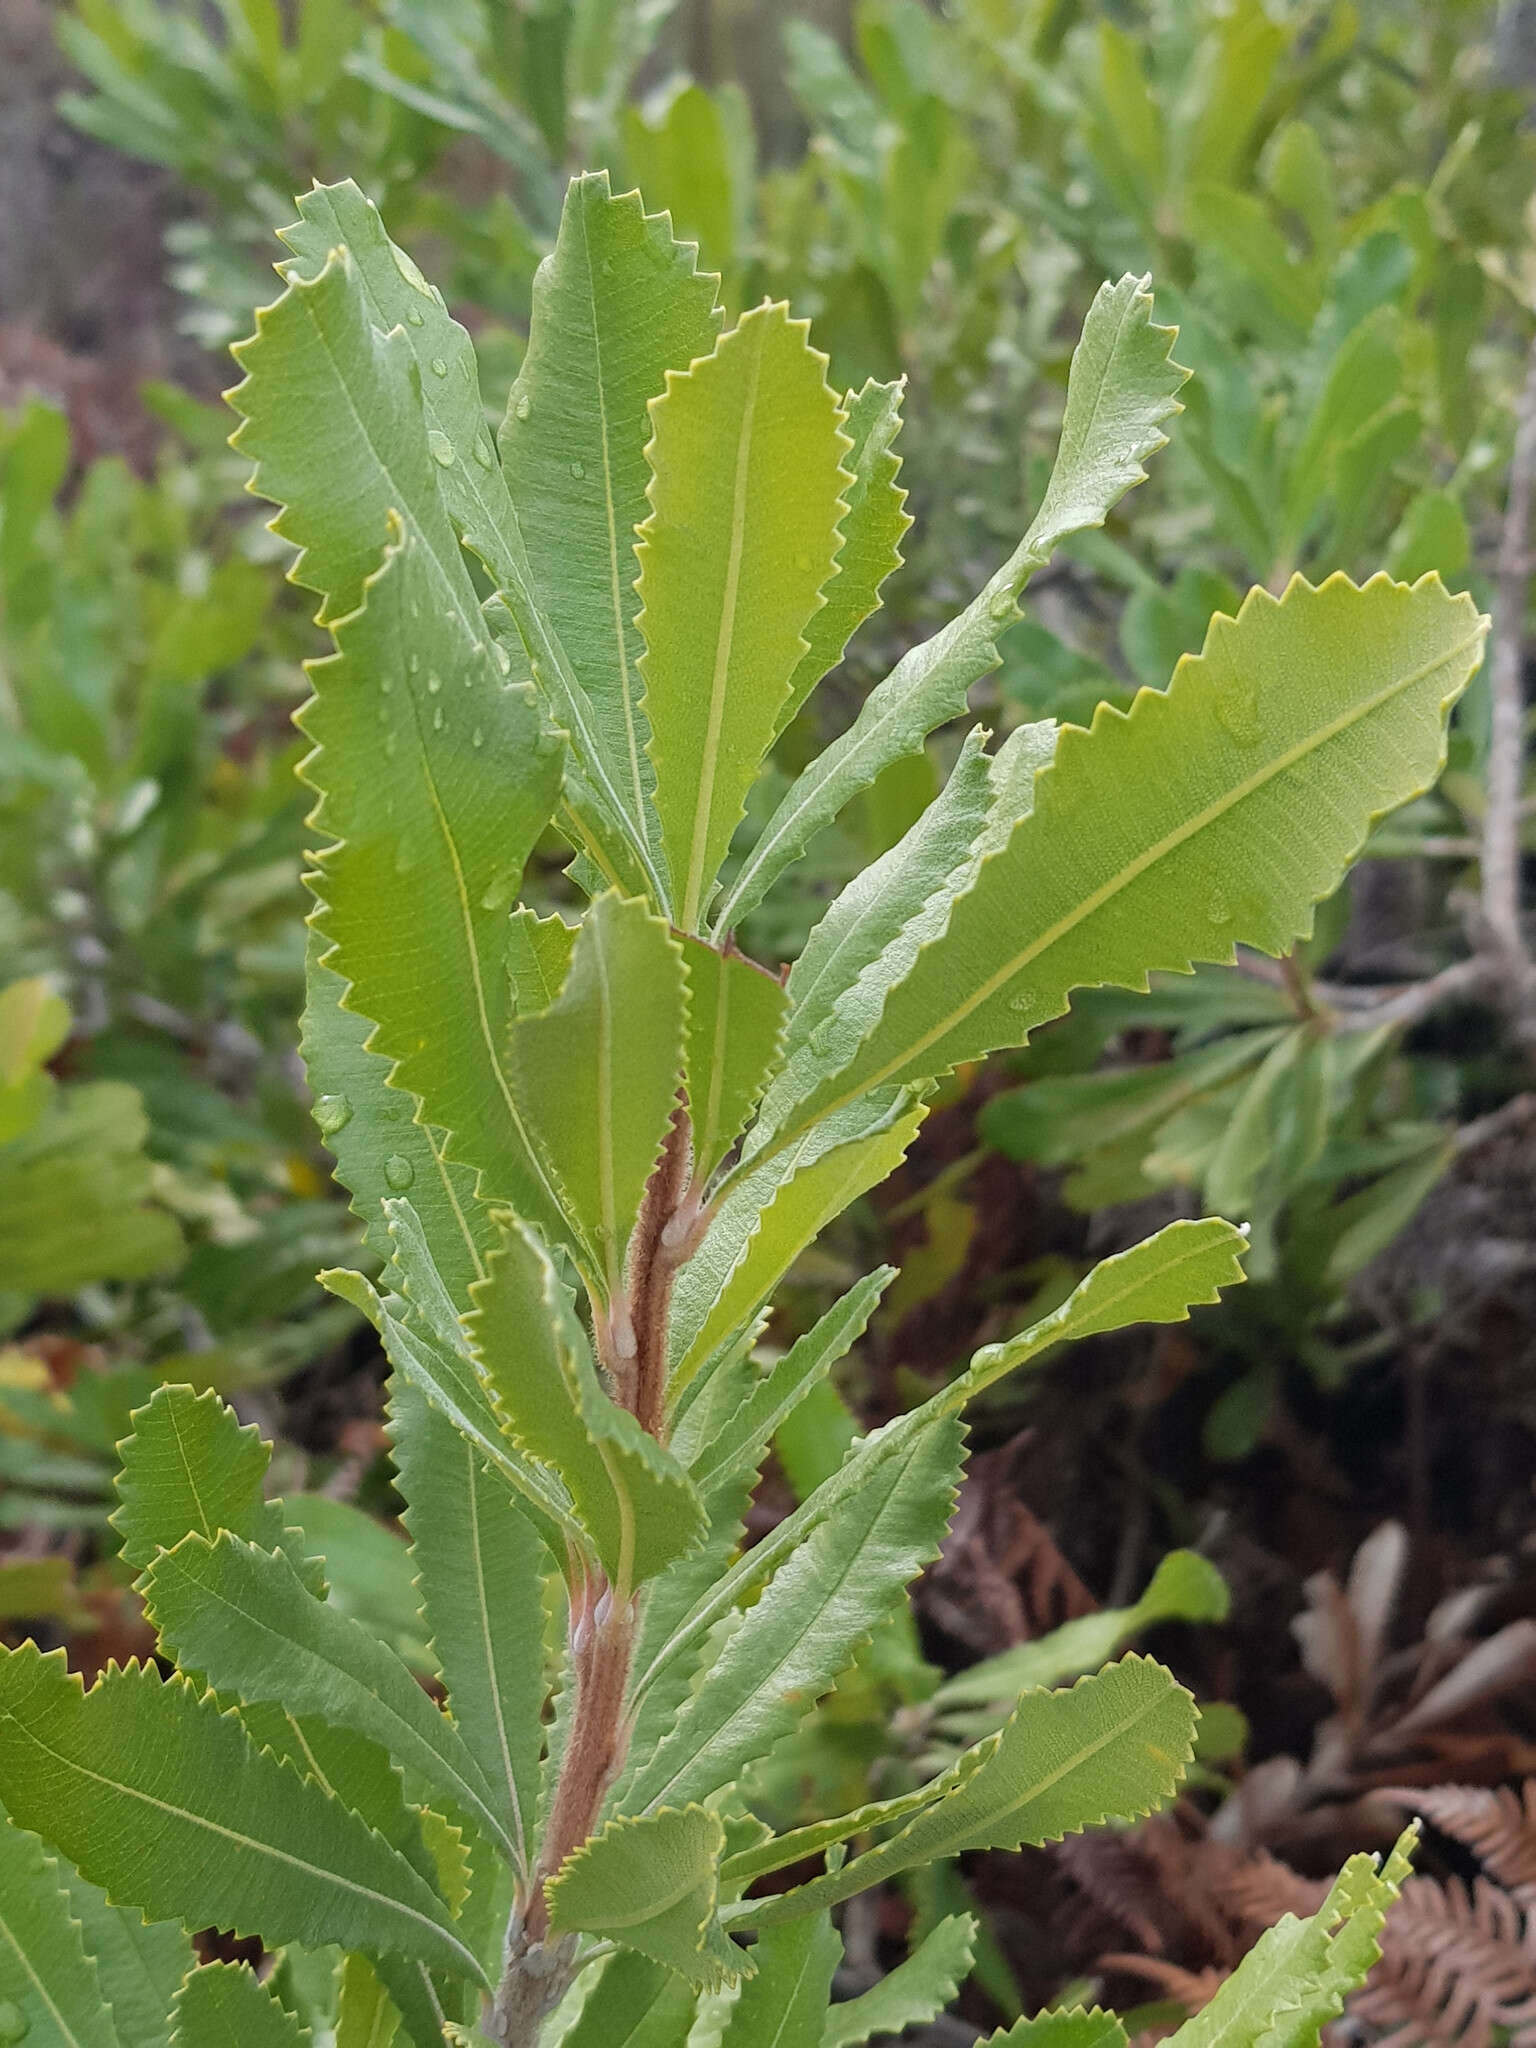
column 1506, row 752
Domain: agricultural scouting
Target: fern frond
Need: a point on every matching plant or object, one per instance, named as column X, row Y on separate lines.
column 1494, row 1821
column 1457, row 1970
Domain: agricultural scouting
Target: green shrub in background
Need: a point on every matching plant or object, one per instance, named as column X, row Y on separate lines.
column 587, row 1153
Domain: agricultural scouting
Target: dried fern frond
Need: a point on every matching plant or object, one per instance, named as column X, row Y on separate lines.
column 1497, row 1823
column 1190, row 1988
column 1457, row 1970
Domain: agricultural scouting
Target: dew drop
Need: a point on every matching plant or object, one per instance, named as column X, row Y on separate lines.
column 1020, row 1004
column 437, row 719
column 503, row 661
column 383, row 715
column 523, row 407
column 434, row 684
column 1217, row 908
column 477, row 738
column 1237, row 708
column 821, row 1038
column 1002, row 607
column 413, row 662
column 14, row 2024
column 439, row 367
column 414, row 315
column 484, row 454
column 442, row 448
column 386, row 684
column 501, row 891
column 399, row 1172
column 332, row 1113
column 391, row 742
column 578, row 469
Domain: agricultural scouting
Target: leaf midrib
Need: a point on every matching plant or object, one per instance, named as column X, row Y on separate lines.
column 267, row 1849
column 1116, row 883
column 66, row 2030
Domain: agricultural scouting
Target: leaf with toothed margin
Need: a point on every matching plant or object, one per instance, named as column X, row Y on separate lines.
column 916, row 1990
column 224, row 2005
column 371, row 1131
column 736, row 1012
column 309, row 358
column 772, row 1214
column 595, row 1076
column 616, row 304
column 239, row 1616
column 653, row 1884
column 434, row 782
column 190, row 1464
column 1062, row 2027
column 630, row 1493
column 50, row 1987
column 907, row 894
column 739, row 1441
column 1195, row 1258
column 745, row 495
column 1114, row 1747
column 792, row 1644
column 1212, row 814
column 1122, row 387
column 785, row 2004
column 872, row 528
column 479, row 1567
column 635, row 2003
column 163, row 1800
column 141, row 1962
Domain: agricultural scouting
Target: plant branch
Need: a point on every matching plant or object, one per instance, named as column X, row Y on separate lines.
column 1500, row 905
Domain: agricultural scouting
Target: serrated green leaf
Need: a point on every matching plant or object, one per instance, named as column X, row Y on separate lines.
column 430, row 766
column 224, row 2005
column 1147, row 1281
column 1185, row 1587
column 635, row 2004
column 736, row 1014
column 1304, row 719
column 632, row 1496
column 371, row 1131
column 785, row 2004
column 240, row 1616
column 1062, row 2027
column 142, row 1963
column 616, row 304
column 360, row 334
column 740, row 1443
column 479, row 1569
column 164, row 1801
column 1122, row 387
column 917, row 1989
column 652, row 1883
column 1156, row 1281
column 746, row 494
column 447, row 1378
column 46, row 1977
column 595, row 1076
column 762, row 1227
column 1296, row 1976
column 897, row 907
column 191, row 1465
column 1114, row 1747
column 794, row 1641
column 873, row 528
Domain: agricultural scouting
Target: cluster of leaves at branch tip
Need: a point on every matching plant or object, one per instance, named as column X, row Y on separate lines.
column 584, row 1154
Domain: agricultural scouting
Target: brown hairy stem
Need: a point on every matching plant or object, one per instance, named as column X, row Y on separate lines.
column 632, row 1344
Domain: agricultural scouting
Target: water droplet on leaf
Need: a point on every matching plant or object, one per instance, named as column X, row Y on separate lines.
column 14, row 2024
column 1217, row 908
column 332, row 1113
column 477, row 738
column 504, row 661
column 434, row 684
column 439, row 367
column 414, row 315
column 578, row 469
column 442, row 448
column 1002, row 607
column 1021, row 1005
column 437, row 719
column 399, row 1172
column 484, row 453
column 413, row 662
column 523, row 407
